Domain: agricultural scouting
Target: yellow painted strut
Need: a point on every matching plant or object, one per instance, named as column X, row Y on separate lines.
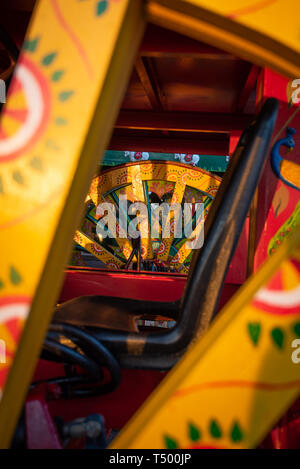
column 70, row 78
column 233, row 385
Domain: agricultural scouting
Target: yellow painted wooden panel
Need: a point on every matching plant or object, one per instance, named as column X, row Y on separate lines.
column 278, row 19
column 233, row 384
column 64, row 98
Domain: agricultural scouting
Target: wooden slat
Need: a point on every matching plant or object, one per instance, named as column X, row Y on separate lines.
column 169, row 145
column 160, row 42
column 182, row 121
column 145, row 71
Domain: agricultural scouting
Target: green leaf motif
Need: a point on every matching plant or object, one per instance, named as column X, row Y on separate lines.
column 65, row 95
column 1, row 283
column 51, row 144
column 170, row 442
column 15, row 277
column 296, row 329
column 17, row 176
column 214, row 429
column 48, row 59
column 60, row 121
column 101, row 7
column 236, row 433
column 277, row 335
column 30, row 45
column 57, row 75
column 254, row 330
column 1, row 186
column 36, row 163
column 194, row 432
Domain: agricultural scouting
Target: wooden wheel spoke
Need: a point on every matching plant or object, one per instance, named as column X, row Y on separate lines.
column 111, row 261
column 139, row 195
column 122, row 241
column 167, row 241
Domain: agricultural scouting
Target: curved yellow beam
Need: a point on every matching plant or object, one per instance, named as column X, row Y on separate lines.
column 266, row 32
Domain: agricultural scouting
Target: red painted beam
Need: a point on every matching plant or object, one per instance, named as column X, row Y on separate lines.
column 182, row 121
column 248, row 87
column 169, row 145
column 141, row 286
column 160, row 42
column 233, row 140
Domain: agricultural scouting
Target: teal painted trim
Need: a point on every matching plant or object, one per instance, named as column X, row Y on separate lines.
column 215, row 163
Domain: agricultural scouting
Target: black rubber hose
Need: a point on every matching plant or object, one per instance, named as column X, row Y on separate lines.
column 71, row 356
column 95, row 357
column 93, row 348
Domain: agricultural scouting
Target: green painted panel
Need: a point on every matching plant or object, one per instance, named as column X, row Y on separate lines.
column 215, row 163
